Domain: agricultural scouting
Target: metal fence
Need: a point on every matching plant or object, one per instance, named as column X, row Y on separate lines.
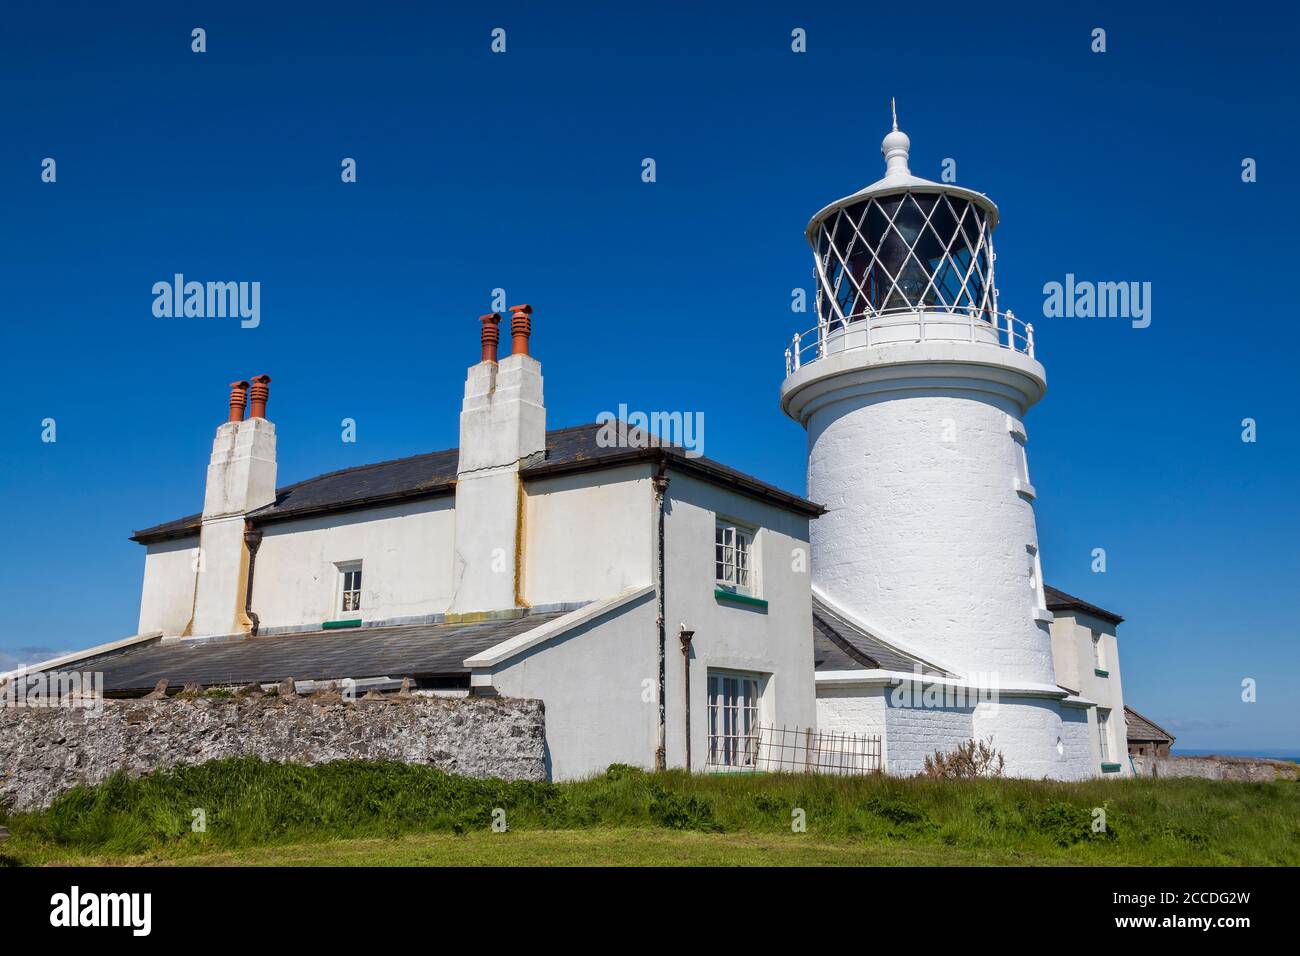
column 800, row 750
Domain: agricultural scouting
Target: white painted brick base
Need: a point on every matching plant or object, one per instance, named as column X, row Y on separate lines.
column 1038, row 737
column 915, row 733
column 1026, row 730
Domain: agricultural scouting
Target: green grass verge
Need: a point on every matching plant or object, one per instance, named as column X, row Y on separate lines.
column 600, row 846
column 353, row 812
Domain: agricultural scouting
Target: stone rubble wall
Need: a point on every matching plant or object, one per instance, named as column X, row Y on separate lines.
column 1215, row 768
column 45, row 751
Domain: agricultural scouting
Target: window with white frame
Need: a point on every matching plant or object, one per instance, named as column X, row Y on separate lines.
column 1036, row 575
column 733, row 720
column 1103, row 729
column 1098, row 652
column 349, row 587
column 732, row 557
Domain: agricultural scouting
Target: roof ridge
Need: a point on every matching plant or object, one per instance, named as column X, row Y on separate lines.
column 372, row 464
column 570, row 448
column 422, row 454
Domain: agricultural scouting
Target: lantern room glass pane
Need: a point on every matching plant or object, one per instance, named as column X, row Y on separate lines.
column 902, row 253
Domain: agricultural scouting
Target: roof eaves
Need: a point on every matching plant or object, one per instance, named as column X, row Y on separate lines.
column 270, row 514
column 180, row 528
column 1148, row 720
column 672, row 457
column 514, row 646
column 1058, row 599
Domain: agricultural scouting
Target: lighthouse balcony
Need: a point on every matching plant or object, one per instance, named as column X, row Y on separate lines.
column 936, row 324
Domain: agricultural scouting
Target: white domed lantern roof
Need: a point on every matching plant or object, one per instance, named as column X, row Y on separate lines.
column 904, row 244
column 898, row 178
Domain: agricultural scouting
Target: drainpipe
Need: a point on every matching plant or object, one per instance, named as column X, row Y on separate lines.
column 252, row 540
column 660, row 483
column 685, row 636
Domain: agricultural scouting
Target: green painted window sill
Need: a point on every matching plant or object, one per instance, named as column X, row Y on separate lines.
column 335, row 625
column 1110, row 768
column 722, row 594
column 1100, row 673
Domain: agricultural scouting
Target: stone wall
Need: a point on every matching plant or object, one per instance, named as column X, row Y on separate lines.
column 1215, row 768
column 44, row 751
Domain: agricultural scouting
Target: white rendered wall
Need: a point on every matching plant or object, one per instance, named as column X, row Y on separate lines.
column 485, row 541
column 776, row 641
column 222, row 579
column 1067, row 658
column 588, row 535
column 1072, row 650
column 585, row 537
column 590, row 679
column 405, row 552
column 588, row 538
column 925, row 536
column 167, row 596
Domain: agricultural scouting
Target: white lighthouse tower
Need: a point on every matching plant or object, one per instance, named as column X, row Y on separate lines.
column 913, row 387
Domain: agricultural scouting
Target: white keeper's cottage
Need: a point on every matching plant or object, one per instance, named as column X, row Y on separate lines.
column 655, row 600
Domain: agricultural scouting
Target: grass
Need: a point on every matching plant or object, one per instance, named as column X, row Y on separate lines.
column 350, row 813
column 595, row 847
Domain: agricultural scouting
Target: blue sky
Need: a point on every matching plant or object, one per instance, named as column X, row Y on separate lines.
column 522, row 171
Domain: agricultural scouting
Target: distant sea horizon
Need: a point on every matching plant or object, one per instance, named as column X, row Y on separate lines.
column 1291, row 755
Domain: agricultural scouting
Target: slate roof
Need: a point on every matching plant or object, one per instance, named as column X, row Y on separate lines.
column 425, row 476
column 407, row 650
column 839, row 644
column 1058, row 600
column 1142, row 730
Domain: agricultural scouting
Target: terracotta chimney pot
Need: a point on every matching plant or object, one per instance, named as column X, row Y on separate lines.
column 490, row 335
column 521, row 327
column 260, row 392
column 238, row 399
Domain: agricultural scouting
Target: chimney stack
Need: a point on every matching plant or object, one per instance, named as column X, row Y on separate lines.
column 261, row 391
column 241, row 479
column 490, row 335
column 238, row 399
column 521, row 327
column 502, row 429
